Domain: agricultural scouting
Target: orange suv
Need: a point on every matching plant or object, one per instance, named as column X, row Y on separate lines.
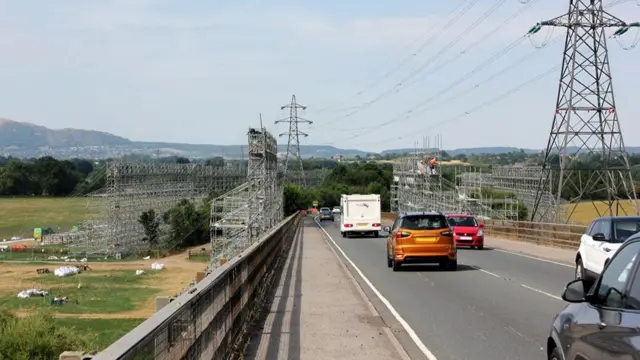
column 421, row 238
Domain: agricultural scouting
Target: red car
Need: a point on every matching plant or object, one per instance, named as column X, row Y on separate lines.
column 466, row 230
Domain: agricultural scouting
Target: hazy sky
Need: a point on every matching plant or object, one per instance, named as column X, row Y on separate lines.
column 200, row 71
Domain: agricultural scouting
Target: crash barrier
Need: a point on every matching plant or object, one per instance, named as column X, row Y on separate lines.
column 208, row 321
column 559, row 235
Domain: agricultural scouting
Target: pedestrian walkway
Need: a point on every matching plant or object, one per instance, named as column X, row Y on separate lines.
column 319, row 311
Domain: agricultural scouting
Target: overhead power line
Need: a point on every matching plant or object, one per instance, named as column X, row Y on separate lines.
column 472, row 110
column 413, row 111
column 429, row 61
column 414, row 53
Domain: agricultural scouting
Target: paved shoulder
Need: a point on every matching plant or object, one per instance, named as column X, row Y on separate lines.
column 319, row 311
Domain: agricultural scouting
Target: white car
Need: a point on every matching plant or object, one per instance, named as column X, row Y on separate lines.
column 602, row 239
column 336, row 210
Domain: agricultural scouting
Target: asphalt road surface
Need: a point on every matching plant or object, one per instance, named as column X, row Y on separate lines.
column 496, row 306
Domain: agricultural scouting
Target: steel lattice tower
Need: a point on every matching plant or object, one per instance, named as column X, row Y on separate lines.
column 294, row 133
column 586, row 122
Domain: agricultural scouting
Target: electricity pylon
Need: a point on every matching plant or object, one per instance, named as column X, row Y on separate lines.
column 585, row 128
column 293, row 143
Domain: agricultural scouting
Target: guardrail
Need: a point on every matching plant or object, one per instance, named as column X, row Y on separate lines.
column 208, row 321
column 559, row 235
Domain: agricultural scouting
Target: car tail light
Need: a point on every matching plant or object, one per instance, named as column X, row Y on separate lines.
column 348, row 225
column 376, row 224
column 402, row 234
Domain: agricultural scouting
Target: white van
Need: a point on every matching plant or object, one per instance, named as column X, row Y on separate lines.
column 361, row 214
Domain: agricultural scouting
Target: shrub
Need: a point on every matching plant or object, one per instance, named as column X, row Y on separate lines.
column 37, row 337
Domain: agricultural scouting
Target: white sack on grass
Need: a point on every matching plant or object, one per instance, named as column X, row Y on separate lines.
column 66, row 271
column 157, row 266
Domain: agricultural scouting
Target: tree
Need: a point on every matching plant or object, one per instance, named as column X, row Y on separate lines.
column 151, row 225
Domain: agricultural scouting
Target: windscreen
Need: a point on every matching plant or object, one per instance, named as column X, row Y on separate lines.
column 624, row 228
column 424, row 222
column 462, row 221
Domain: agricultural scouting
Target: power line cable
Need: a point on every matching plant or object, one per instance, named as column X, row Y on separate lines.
column 425, row 64
column 476, row 108
column 448, row 88
column 412, row 112
column 413, row 54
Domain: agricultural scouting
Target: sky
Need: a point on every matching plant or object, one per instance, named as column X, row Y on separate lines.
column 372, row 74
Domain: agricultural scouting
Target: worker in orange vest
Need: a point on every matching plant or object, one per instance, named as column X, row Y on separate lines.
column 432, row 164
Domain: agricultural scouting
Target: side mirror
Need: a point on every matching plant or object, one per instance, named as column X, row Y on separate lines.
column 598, row 237
column 481, row 225
column 386, row 229
column 574, row 292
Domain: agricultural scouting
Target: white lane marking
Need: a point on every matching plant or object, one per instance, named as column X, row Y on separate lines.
column 534, row 258
column 412, row 334
column 486, row 272
column 541, row 292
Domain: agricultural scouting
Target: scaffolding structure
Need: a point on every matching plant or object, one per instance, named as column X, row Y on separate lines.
column 133, row 188
column 418, row 187
column 241, row 216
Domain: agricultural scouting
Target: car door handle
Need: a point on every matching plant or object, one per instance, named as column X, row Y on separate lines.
column 606, row 249
column 602, row 325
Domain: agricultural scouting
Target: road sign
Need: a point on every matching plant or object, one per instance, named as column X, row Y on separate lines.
column 315, row 203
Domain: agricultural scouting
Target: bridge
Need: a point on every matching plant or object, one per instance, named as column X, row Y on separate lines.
column 304, row 292
column 293, row 288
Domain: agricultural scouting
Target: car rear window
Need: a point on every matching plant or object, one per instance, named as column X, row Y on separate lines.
column 623, row 229
column 424, row 222
column 325, row 210
column 462, row 221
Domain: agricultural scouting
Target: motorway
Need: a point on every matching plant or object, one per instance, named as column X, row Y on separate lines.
column 496, row 306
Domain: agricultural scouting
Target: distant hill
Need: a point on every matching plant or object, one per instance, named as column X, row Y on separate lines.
column 30, row 140
column 14, row 134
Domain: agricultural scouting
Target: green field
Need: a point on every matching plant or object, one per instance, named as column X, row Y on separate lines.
column 104, row 332
column 20, row 215
column 96, row 292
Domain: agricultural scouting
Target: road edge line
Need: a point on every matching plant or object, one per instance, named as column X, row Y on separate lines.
column 412, row 334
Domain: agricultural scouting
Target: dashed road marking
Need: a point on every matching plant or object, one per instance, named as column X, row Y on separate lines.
column 541, row 292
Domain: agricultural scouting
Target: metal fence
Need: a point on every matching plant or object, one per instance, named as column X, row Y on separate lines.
column 208, row 320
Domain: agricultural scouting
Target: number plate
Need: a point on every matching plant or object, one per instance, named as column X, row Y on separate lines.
column 426, row 239
column 362, row 224
column 466, row 238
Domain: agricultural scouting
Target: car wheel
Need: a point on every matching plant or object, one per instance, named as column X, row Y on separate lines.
column 389, row 261
column 555, row 354
column 480, row 247
column 452, row 265
column 396, row 265
column 376, row 234
column 579, row 274
column 343, row 234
